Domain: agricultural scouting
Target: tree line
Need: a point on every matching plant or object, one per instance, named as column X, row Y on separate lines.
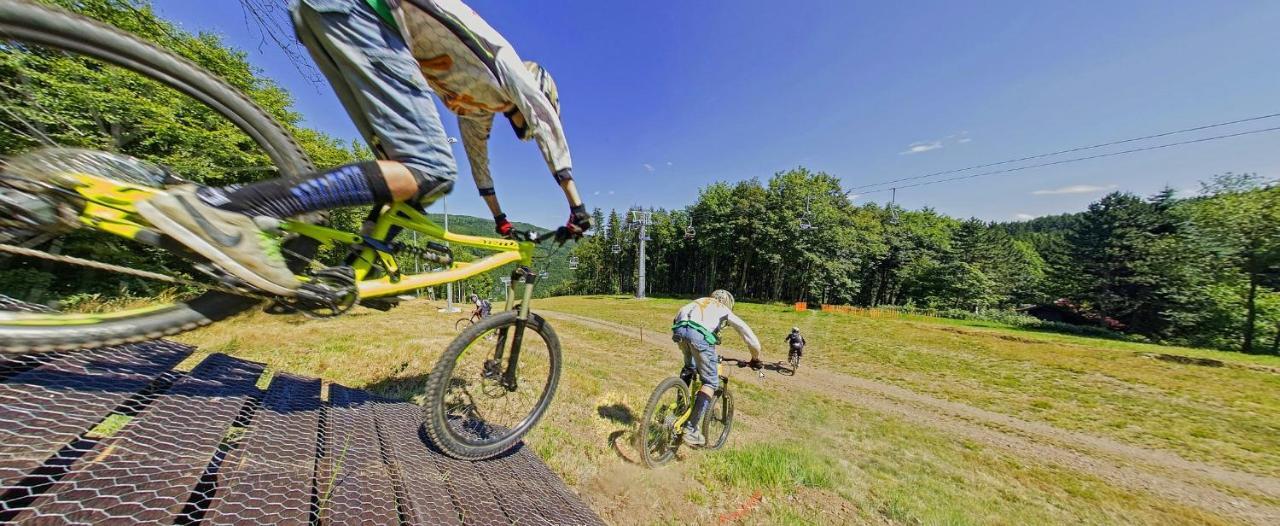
column 1201, row 271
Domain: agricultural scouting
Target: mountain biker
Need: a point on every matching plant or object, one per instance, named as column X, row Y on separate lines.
column 796, row 341
column 483, row 306
column 696, row 329
column 384, row 59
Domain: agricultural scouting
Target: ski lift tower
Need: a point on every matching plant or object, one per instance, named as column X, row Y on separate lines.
column 640, row 218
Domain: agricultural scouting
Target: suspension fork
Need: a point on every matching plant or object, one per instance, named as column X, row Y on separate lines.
column 524, row 276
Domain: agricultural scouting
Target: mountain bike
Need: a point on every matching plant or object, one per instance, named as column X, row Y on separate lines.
column 670, row 407
column 463, row 323
column 793, row 358
column 76, row 164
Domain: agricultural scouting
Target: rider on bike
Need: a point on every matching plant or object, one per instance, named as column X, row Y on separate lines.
column 483, row 307
column 385, row 59
column 696, row 329
column 796, row 341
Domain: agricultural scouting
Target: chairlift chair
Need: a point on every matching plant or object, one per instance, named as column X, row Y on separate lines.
column 573, row 262
column 616, row 248
column 688, row 232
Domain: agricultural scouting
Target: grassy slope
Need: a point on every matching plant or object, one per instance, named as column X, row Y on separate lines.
column 1222, row 415
column 811, row 458
column 555, row 260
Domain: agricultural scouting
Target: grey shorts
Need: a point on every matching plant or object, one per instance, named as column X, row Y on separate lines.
column 699, row 356
column 379, row 82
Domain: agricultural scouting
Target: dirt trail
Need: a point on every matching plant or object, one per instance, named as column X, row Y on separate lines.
column 1161, row 473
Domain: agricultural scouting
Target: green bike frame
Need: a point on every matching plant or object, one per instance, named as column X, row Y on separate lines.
column 110, row 207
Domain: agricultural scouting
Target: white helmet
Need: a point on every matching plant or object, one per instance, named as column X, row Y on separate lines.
column 723, row 297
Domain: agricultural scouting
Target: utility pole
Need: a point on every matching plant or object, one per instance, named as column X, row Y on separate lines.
column 448, row 290
column 641, row 218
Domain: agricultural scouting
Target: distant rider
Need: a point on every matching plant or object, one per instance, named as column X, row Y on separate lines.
column 483, row 307
column 796, row 341
column 696, row 329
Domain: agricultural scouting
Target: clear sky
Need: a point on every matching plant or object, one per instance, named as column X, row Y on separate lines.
column 660, row 99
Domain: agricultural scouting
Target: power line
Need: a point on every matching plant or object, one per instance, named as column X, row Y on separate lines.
column 1060, row 152
column 1076, row 159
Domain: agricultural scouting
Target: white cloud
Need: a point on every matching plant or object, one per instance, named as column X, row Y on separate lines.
column 610, row 192
column 648, row 167
column 1023, row 217
column 963, row 140
column 669, row 163
column 921, row 147
column 597, row 192
column 854, row 196
column 1074, row 189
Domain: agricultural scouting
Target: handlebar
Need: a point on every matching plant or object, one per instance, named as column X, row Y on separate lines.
column 560, row 235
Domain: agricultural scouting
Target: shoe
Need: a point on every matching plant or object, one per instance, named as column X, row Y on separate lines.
column 693, row 437
column 232, row 241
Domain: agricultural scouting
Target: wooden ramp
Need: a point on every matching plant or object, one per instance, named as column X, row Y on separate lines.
column 115, row 436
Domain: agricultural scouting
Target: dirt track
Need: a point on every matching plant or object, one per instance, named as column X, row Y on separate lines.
column 1157, row 472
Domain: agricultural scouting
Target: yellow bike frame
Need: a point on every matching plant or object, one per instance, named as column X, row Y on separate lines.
column 110, row 207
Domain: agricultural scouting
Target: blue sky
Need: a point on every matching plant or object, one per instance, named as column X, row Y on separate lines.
column 661, row 99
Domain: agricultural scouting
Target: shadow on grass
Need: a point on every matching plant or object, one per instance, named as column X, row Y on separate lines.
column 403, row 388
column 619, row 413
column 776, row 367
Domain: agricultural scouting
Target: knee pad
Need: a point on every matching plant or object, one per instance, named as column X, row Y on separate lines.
column 429, row 188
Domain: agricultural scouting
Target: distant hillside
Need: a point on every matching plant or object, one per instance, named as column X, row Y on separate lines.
column 554, row 260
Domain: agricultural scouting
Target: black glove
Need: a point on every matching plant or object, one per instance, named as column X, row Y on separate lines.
column 579, row 223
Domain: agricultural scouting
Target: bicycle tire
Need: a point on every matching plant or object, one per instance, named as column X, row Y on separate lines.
column 52, row 27
column 462, row 324
column 721, row 407
column 665, row 448
column 436, row 416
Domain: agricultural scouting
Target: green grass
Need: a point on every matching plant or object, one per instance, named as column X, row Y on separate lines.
column 814, row 458
column 109, row 426
column 771, row 466
column 1222, row 415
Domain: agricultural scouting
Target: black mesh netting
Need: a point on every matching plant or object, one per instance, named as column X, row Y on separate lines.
column 114, row 435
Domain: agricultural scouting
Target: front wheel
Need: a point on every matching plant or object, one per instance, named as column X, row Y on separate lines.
column 719, row 420
column 492, row 385
column 659, row 434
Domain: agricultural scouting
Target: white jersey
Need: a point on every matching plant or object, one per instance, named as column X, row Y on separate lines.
column 476, row 73
column 711, row 316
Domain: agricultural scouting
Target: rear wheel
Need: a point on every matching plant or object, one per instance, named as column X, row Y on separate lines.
column 476, row 406
column 658, row 437
column 72, row 82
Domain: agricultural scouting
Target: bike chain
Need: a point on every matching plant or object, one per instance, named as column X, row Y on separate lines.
column 21, row 251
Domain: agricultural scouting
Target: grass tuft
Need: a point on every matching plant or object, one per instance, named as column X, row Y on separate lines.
column 771, row 466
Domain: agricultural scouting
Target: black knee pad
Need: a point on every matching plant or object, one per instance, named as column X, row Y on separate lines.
column 429, row 188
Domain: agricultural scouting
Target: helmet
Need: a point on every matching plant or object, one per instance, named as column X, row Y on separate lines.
column 795, row 329
column 723, row 297
column 546, row 84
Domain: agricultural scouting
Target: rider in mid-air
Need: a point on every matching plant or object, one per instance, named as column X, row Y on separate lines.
column 384, row 59
column 696, row 329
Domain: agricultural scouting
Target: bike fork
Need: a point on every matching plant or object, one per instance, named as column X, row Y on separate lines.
column 527, row 278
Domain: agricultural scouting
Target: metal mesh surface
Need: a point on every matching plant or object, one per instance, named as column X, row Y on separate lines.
column 115, row 436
